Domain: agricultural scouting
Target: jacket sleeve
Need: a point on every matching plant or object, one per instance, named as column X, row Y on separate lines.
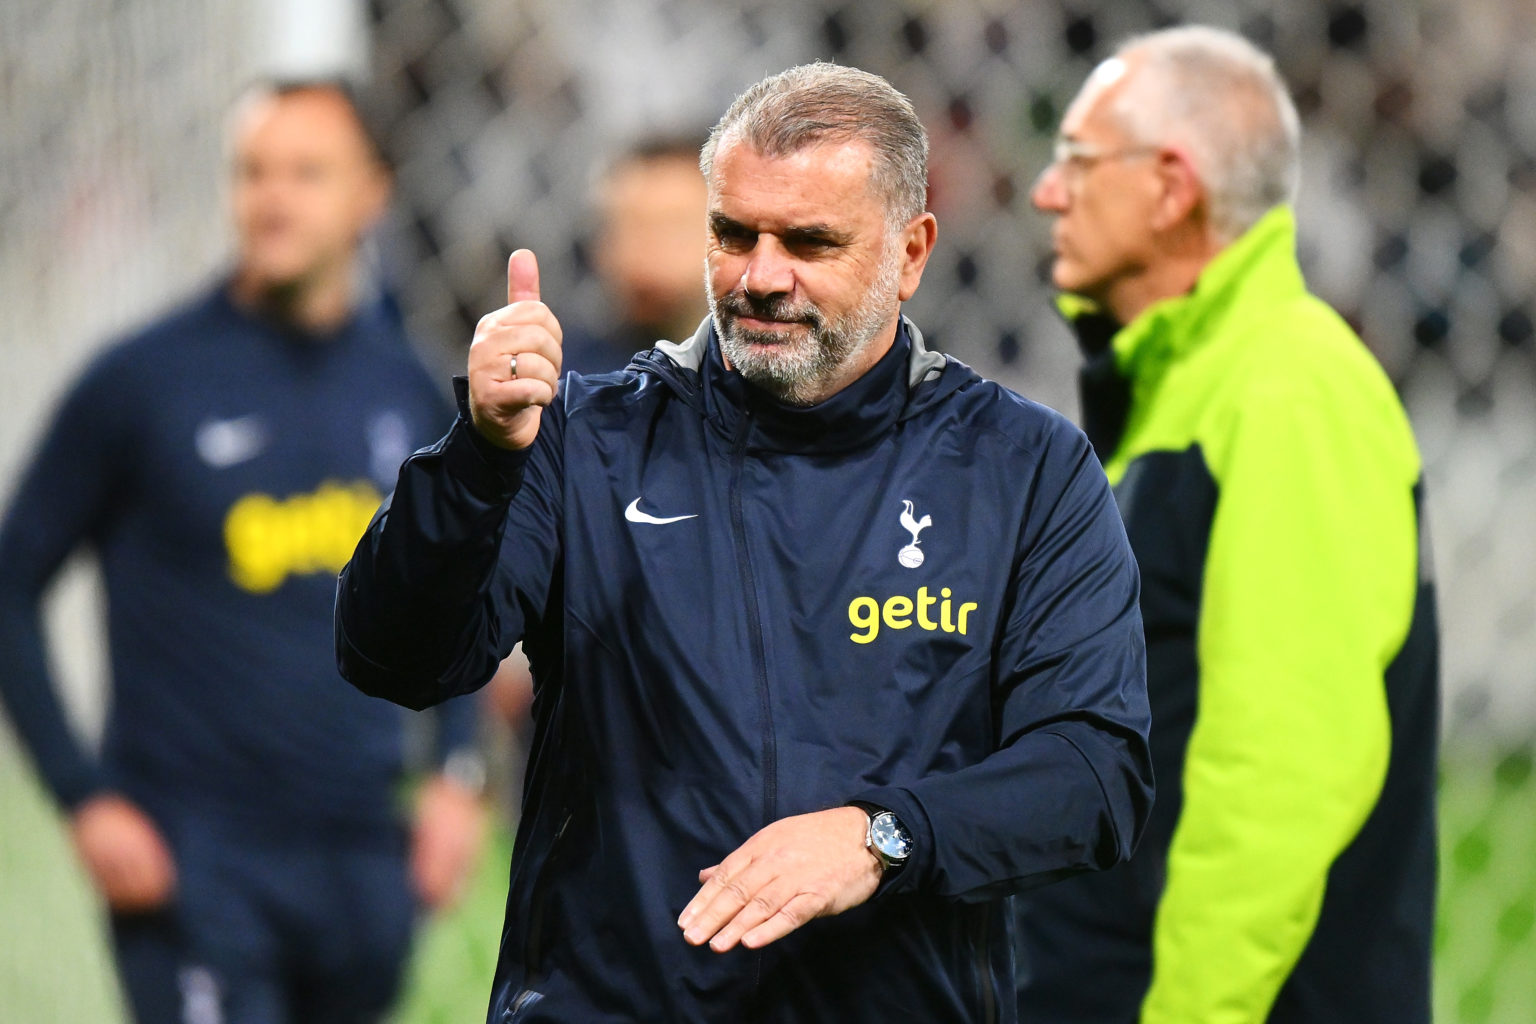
column 1308, row 594
column 455, row 722
column 456, row 564
column 65, row 497
column 1069, row 786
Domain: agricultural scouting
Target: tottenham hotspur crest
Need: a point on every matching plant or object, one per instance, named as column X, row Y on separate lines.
column 911, row 556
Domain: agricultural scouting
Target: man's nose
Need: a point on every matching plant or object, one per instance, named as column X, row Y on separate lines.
column 770, row 270
column 1049, row 192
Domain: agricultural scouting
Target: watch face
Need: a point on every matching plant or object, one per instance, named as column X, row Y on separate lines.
column 888, row 835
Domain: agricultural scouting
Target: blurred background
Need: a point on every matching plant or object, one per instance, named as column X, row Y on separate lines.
column 1418, row 222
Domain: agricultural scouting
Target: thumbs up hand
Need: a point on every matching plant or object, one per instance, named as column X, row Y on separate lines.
column 514, row 361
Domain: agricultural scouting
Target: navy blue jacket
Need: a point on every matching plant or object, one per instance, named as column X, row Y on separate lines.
column 916, row 594
column 220, row 466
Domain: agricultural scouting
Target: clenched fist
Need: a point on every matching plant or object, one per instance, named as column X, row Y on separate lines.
column 124, row 853
column 514, row 361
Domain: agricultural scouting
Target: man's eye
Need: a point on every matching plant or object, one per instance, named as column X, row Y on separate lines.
column 734, row 238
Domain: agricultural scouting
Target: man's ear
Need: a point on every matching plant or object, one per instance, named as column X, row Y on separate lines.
column 1183, row 193
column 916, row 242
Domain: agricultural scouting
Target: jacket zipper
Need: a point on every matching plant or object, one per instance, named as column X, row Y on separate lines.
column 533, row 956
column 755, row 624
column 755, row 627
column 979, row 942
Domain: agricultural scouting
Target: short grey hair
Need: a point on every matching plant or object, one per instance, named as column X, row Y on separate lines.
column 1220, row 98
column 816, row 103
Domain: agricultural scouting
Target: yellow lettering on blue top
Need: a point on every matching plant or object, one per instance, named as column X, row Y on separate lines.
column 865, row 614
column 270, row 539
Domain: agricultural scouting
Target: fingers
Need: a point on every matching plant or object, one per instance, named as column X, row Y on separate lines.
column 526, row 327
column 490, row 367
column 791, row 871
column 733, row 902
column 522, row 276
column 772, row 912
column 794, row 913
column 505, row 406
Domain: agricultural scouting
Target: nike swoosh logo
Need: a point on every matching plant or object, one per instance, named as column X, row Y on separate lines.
column 634, row 515
column 225, row 443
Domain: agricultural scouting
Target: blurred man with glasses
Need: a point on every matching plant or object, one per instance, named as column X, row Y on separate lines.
column 1270, row 486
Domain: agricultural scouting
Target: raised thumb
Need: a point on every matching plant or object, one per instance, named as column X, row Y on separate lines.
column 522, row 276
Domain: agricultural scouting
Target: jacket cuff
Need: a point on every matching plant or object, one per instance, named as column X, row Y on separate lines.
column 901, row 802
column 490, row 473
column 77, row 791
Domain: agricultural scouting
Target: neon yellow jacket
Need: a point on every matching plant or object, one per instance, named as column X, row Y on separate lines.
column 1278, row 900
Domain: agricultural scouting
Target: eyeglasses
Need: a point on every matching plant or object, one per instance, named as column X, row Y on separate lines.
column 1075, row 158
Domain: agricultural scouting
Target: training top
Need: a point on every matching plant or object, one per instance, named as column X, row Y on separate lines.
column 915, row 594
column 221, row 467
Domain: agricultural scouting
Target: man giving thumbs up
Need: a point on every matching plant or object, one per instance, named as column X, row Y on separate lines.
column 735, row 808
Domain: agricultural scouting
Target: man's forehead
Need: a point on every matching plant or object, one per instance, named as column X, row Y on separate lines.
column 1105, row 77
column 1107, row 73
column 813, row 185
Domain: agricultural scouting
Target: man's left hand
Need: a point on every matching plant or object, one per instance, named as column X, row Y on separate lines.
column 796, row 869
column 450, row 825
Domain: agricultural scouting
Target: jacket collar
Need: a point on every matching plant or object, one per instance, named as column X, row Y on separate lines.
column 907, row 379
column 1257, row 271
column 374, row 314
column 1124, row 364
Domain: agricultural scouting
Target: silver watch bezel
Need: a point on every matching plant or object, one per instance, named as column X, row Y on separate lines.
column 889, row 829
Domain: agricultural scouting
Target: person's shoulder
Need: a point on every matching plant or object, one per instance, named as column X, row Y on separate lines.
column 151, row 348
column 1020, row 441
column 378, row 329
column 610, row 389
column 952, row 395
column 1308, row 376
column 1310, row 353
column 397, row 353
column 207, row 307
column 990, row 406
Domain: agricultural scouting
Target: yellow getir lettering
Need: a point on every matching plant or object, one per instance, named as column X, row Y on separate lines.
column 255, row 562
column 864, row 613
column 268, row 540
column 897, row 612
column 925, row 601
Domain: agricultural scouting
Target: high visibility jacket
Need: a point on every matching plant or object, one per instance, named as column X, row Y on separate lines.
column 1270, row 486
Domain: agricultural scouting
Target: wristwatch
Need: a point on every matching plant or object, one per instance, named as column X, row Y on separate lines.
column 887, row 838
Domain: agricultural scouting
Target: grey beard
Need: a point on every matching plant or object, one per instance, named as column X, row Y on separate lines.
column 799, row 369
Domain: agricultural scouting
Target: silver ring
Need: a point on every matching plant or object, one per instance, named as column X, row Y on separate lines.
column 513, row 367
